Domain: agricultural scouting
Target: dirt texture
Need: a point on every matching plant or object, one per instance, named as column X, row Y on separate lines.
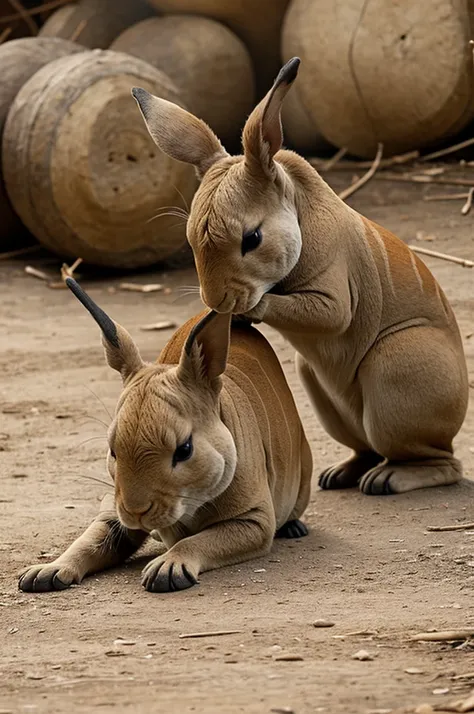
column 369, row 564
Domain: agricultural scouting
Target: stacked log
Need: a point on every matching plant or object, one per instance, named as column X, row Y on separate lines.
column 207, row 62
column 81, row 169
column 19, row 60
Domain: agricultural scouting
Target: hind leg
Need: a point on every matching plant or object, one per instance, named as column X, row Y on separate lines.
column 347, row 473
column 415, row 397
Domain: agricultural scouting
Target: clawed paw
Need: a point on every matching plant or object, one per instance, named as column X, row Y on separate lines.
column 377, row 481
column 44, row 578
column 292, row 529
column 168, row 574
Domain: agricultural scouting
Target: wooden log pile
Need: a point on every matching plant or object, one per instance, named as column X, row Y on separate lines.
column 79, row 172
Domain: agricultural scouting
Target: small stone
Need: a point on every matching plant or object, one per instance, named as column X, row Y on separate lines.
column 441, row 690
column 282, row 710
column 114, row 653
column 124, row 643
column 260, row 570
column 413, row 670
column 148, row 656
column 323, row 623
column 56, row 666
column 151, row 644
column 362, row 656
column 69, row 505
column 35, row 676
column 289, row 658
column 12, row 630
column 19, row 475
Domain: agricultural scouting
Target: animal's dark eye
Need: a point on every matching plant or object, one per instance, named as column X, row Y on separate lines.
column 183, row 451
column 251, row 240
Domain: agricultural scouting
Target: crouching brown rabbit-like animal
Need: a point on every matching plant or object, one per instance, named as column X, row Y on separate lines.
column 378, row 347
column 206, row 448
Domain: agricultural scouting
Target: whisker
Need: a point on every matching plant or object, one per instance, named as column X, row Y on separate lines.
column 98, row 480
column 93, row 438
column 186, row 205
column 99, row 400
column 188, row 288
column 183, row 295
column 88, row 417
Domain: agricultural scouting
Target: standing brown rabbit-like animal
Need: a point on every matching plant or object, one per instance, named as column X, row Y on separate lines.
column 378, row 347
column 206, row 448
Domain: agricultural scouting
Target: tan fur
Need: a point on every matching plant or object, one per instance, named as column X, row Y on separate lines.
column 249, row 474
column 378, row 347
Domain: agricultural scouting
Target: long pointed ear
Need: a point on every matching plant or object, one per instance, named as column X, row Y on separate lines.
column 263, row 134
column 204, row 355
column 178, row 133
column 120, row 350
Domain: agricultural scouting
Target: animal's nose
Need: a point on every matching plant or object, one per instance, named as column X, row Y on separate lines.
column 137, row 512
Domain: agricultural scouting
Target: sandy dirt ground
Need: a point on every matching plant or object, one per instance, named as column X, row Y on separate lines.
column 369, row 564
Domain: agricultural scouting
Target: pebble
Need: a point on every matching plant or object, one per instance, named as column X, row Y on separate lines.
column 413, row 670
column 282, row 710
column 260, row 570
column 56, row 666
column 69, row 505
column 125, row 643
column 114, row 653
column 35, row 676
column 362, row 656
column 441, row 690
column 323, row 623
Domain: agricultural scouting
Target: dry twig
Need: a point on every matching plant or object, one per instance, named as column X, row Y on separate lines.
column 443, row 256
column 81, row 26
column 321, row 164
column 448, row 150
column 446, row 196
column 328, row 165
column 163, row 325
column 24, row 15
column 215, row 633
column 445, row 636
column 33, row 11
column 467, row 206
column 139, row 288
column 29, row 270
column 416, row 178
column 350, row 190
column 66, row 272
column 21, row 251
column 456, row 527
column 4, row 34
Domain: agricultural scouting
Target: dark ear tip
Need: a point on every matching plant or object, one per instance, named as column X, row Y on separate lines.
column 141, row 95
column 289, row 71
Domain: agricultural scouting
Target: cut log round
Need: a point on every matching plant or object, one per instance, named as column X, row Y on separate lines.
column 95, row 23
column 208, row 63
column 19, row 60
column 300, row 130
column 376, row 72
column 257, row 23
column 81, row 168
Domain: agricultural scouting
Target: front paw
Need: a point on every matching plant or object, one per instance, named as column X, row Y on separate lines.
column 257, row 313
column 168, row 573
column 43, row 578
